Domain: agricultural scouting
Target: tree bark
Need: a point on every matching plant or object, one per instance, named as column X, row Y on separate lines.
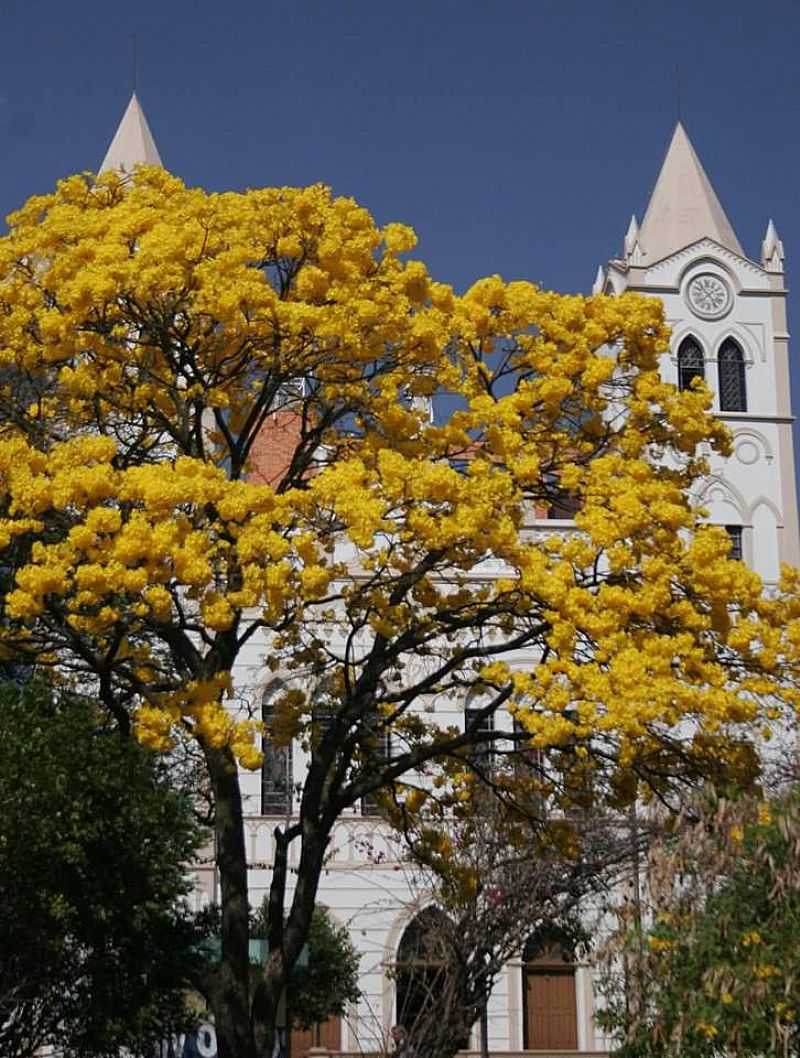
column 231, row 1002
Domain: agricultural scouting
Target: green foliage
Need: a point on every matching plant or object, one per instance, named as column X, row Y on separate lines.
column 328, row 979
column 94, row 937
column 716, row 970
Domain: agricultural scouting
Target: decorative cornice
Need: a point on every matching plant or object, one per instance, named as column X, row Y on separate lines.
column 719, row 251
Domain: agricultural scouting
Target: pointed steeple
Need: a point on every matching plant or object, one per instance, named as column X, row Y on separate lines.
column 772, row 250
column 683, row 207
column 599, row 281
column 631, row 235
column 632, row 247
column 133, row 142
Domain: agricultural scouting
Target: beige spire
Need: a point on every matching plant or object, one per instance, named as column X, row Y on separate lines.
column 683, row 207
column 133, row 142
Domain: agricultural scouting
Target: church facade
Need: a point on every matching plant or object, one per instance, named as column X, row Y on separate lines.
column 728, row 318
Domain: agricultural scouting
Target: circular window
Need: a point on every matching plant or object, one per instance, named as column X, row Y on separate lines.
column 708, row 296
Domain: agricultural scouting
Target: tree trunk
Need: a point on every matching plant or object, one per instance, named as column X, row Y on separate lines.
column 286, row 940
column 231, row 999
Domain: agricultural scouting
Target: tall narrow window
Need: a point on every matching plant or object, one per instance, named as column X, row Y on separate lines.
column 482, row 753
column 735, row 533
column 530, row 764
column 562, row 503
column 732, row 390
column 379, row 752
column 690, row 363
column 276, row 769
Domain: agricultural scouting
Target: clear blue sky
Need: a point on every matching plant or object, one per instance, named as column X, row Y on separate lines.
column 516, row 136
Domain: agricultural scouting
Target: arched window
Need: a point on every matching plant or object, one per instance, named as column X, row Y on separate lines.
column 551, row 1022
column 276, row 770
column 429, row 996
column 690, row 363
column 732, row 391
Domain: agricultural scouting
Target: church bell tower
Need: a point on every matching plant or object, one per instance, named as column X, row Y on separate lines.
column 728, row 318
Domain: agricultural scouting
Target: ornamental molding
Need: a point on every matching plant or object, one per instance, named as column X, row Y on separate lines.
column 721, row 252
column 708, row 296
column 716, row 488
column 768, row 504
column 755, row 332
column 744, row 441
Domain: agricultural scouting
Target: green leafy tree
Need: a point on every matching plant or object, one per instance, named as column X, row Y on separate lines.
column 327, row 980
column 712, row 966
column 95, row 940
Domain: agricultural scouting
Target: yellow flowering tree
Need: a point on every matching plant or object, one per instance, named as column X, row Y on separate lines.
column 215, row 433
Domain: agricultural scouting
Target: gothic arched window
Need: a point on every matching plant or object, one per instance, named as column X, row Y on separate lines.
column 690, row 363
column 732, row 390
column 429, row 981
column 276, row 769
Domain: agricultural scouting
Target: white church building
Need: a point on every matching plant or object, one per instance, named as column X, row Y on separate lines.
column 727, row 312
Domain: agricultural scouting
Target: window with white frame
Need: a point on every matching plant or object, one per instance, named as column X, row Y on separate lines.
column 735, row 534
column 732, row 386
column 276, row 768
column 380, row 753
column 691, row 363
column 481, row 753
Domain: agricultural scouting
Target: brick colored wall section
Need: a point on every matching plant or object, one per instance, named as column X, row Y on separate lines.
column 274, row 447
column 271, row 454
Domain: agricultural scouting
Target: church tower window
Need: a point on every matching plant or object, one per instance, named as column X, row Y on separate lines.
column 690, row 363
column 732, row 391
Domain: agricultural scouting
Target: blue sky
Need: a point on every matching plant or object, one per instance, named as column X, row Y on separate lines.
column 516, row 137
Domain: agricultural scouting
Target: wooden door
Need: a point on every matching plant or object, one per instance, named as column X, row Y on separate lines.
column 551, row 1022
column 328, row 1034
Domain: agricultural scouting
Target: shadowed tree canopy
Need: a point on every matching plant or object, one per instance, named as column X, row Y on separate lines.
column 217, row 431
column 94, row 843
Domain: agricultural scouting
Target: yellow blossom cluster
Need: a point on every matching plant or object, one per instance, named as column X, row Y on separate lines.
column 216, row 421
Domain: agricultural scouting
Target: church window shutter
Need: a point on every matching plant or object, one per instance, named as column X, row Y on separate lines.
column 732, row 390
column 691, row 364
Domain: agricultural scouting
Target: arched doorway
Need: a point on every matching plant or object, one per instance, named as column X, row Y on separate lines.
column 548, row 980
column 428, row 985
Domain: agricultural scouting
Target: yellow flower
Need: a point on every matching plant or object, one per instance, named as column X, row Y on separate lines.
column 707, row 1029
